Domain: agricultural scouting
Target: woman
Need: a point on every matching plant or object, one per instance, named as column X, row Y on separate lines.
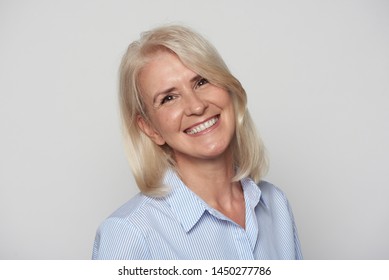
column 195, row 157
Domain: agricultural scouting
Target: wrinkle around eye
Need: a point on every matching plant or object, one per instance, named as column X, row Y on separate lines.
column 168, row 98
column 201, row 82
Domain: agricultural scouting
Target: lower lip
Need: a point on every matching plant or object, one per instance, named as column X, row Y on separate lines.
column 207, row 130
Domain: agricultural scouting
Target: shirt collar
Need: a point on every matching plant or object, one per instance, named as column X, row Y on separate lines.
column 252, row 193
column 188, row 207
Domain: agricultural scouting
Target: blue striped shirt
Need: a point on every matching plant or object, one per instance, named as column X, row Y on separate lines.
column 182, row 226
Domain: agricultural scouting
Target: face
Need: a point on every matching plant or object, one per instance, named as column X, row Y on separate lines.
column 186, row 112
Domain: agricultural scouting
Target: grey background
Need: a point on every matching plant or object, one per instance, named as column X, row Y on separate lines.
column 317, row 78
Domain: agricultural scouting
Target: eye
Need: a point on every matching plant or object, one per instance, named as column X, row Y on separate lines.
column 201, row 81
column 166, row 99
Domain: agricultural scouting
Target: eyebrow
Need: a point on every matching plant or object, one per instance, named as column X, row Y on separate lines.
column 166, row 91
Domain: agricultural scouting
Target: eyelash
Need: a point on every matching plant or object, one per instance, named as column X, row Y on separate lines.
column 201, row 81
column 167, row 98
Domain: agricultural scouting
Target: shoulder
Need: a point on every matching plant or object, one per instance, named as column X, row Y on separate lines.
column 268, row 189
column 272, row 195
column 278, row 208
column 120, row 235
column 136, row 212
column 131, row 207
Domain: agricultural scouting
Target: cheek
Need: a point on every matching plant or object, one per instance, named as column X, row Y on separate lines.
column 167, row 120
column 222, row 98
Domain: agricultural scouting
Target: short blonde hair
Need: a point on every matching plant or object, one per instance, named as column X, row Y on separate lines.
column 149, row 161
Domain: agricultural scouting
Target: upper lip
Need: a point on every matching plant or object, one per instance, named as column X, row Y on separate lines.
column 196, row 124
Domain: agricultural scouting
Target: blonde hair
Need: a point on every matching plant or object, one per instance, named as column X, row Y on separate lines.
column 149, row 161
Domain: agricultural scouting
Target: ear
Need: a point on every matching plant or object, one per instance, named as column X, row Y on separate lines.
column 149, row 130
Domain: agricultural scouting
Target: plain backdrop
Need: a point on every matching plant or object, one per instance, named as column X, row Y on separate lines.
column 317, row 78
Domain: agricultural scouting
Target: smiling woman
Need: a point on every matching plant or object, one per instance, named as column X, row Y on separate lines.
column 192, row 117
column 196, row 158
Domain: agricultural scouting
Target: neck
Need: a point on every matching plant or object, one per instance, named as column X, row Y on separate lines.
column 207, row 176
column 211, row 180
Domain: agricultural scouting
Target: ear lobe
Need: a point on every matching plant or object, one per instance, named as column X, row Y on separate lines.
column 147, row 129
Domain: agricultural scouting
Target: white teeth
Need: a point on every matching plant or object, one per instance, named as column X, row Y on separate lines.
column 203, row 126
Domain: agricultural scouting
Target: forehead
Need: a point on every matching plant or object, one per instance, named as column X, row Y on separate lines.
column 162, row 70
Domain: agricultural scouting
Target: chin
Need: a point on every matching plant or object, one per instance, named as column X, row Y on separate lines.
column 216, row 151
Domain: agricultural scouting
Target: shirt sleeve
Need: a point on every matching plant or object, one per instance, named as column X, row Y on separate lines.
column 297, row 245
column 284, row 233
column 119, row 239
column 299, row 254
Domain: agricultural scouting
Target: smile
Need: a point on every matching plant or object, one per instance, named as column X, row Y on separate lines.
column 203, row 126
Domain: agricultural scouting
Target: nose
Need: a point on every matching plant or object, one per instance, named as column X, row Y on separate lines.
column 195, row 105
